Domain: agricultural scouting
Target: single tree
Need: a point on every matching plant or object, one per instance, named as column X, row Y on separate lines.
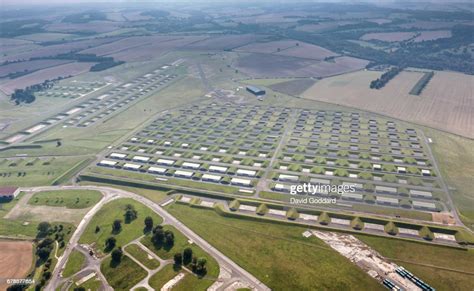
column 187, row 255
column 130, row 213
column 169, row 238
column 178, row 259
column 148, row 223
column 117, row 255
column 117, row 226
column 110, row 243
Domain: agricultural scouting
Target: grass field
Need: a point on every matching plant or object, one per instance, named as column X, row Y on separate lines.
column 274, row 252
column 455, row 158
column 413, row 255
column 14, row 228
column 43, row 172
column 139, row 254
column 68, row 198
column 115, row 210
column 123, row 276
column 163, row 276
column 74, row 263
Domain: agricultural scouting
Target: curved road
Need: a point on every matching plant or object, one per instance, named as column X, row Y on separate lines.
column 111, row 194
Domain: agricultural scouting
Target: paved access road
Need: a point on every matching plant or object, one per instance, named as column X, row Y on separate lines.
column 110, row 194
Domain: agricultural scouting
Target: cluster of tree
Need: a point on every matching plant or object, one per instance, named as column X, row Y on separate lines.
column 27, row 95
column 105, row 65
column 161, row 237
column 186, row 258
column 45, row 246
column 85, row 17
column 383, row 80
column 21, row 27
column 14, row 75
column 130, row 213
column 421, row 84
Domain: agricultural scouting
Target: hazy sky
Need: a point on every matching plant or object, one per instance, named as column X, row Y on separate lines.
column 46, row 2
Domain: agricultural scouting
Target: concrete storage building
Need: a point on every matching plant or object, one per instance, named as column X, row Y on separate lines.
column 255, row 90
column 241, row 182
column 106, row 163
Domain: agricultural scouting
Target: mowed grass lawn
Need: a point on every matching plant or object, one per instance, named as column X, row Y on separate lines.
column 274, row 253
column 66, row 198
column 74, row 263
column 123, row 276
column 142, row 256
column 189, row 282
column 105, row 217
column 436, row 256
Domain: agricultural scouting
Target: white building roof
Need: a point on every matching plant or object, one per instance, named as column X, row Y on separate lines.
column 385, row 189
column 157, row 170
column 107, row 163
column 288, row 177
column 141, row 158
column 190, row 165
column 131, row 166
column 387, row 200
column 243, row 172
column 211, row 177
column 319, row 181
column 421, row 193
column 117, row 155
column 240, row 181
column 165, row 162
column 428, row 205
column 218, row 169
column 353, row 196
column 183, row 173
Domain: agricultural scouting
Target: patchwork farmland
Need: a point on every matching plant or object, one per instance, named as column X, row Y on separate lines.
column 257, row 151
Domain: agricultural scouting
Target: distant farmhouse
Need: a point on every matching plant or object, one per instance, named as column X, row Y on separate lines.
column 255, row 90
column 8, row 193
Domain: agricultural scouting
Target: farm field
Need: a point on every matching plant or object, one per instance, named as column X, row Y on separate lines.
column 52, row 50
column 64, row 70
column 289, row 48
column 16, row 259
column 309, row 261
column 446, row 102
column 276, row 66
column 68, row 198
column 432, row 35
column 29, row 66
column 389, row 36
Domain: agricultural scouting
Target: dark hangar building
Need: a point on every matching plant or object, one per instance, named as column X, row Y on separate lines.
column 255, row 90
